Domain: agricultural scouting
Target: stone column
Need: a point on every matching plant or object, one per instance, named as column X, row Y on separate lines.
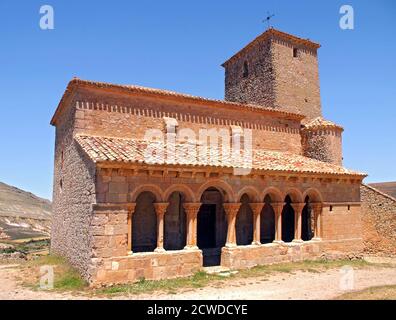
column 160, row 209
column 278, row 208
column 297, row 207
column 131, row 210
column 231, row 210
column 256, row 208
column 317, row 209
column 192, row 210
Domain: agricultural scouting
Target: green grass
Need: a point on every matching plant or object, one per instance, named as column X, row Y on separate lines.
column 202, row 279
column 198, row 280
column 66, row 278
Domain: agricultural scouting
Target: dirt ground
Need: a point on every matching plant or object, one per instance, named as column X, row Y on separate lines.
column 297, row 285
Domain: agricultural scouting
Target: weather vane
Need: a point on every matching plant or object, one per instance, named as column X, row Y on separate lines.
column 268, row 18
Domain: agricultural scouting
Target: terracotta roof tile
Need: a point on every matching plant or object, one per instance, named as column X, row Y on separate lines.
column 320, row 123
column 104, row 149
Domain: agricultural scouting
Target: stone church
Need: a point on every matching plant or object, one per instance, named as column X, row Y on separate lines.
column 125, row 210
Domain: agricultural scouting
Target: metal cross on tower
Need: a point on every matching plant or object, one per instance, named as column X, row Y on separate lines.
column 268, row 18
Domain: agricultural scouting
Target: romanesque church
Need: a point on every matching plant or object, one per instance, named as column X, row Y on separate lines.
column 125, row 210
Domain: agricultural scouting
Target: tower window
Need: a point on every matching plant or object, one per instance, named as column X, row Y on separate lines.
column 245, row 69
column 295, row 52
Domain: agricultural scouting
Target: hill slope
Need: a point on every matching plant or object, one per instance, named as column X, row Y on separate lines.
column 22, row 214
column 385, row 187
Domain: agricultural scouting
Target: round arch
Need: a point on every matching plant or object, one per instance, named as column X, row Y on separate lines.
column 274, row 193
column 186, row 191
column 313, row 194
column 155, row 190
column 222, row 186
column 252, row 193
column 295, row 195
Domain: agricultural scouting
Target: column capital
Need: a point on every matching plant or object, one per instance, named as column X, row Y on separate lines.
column 257, row 207
column 317, row 206
column 192, row 206
column 231, row 207
column 131, row 207
column 277, row 205
column 297, row 206
column 160, row 207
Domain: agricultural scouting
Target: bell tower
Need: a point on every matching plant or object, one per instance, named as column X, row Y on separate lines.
column 276, row 70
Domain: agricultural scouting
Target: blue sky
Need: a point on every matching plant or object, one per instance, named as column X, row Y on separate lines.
column 180, row 45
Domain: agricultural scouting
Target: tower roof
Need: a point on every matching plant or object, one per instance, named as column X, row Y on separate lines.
column 321, row 123
column 273, row 33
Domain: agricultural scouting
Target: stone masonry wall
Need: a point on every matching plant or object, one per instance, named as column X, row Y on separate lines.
column 73, row 195
column 379, row 222
column 323, row 145
column 276, row 78
column 130, row 117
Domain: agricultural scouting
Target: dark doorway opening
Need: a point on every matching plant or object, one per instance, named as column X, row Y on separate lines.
column 267, row 222
column 288, row 221
column 211, row 227
column 206, row 236
column 307, row 221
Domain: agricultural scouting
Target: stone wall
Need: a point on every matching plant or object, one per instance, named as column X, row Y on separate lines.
column 253, row 255
column 276, row 78
column 73, row 195
column 323, row 145
column 128, row 116
column 379, row 222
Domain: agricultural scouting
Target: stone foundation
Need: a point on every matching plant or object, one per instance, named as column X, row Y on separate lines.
column 148, row 265
column 253, row 255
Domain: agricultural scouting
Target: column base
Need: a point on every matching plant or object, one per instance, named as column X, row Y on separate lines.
column 190, row 248
column 159, row 250
column 298, row 241
column 278, row 241
column 256, row 243
column 316, row 239
column 129, row 253
column 230, row 245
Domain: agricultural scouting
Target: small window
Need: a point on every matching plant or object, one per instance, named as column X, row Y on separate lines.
column 61, row 185
column 349, row 207
column 245, row 69
column 295, row 52
column 331, row 208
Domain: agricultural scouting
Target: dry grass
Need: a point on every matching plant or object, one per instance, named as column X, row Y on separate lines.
column 373, row 293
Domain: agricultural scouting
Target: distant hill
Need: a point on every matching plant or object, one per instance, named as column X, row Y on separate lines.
column 385, row 187
column 22, row 214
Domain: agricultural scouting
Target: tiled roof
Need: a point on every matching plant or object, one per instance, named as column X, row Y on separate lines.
column 274, row 33
column 104, row 149
column 320, row 123
column 74, row 83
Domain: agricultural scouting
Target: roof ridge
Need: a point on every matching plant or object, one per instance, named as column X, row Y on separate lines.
column 166, row 93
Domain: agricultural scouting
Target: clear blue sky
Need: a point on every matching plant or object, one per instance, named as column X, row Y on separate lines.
column 179, row 45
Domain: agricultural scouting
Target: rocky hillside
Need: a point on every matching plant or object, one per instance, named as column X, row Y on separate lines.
column 386, row 187
column 22, row 214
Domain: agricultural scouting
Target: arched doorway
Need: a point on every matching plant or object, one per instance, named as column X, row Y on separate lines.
column 144, row 223
column 244, row 223
column 267, row 222
column 175, row 223
column 307, row 222
column 287, row 221
column 211, row 226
